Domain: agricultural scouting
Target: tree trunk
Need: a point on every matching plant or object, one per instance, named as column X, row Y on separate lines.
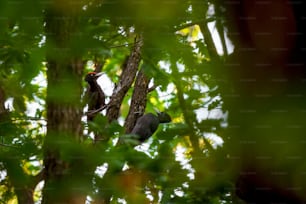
column 64, row 110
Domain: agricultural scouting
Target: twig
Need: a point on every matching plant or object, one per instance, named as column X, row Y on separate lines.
column 96, row 111
column 124, row 45
column 6, row 145
column 152, row 88
column 187, row 25
column 27, row 118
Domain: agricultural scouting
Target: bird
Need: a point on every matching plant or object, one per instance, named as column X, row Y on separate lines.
column 94, row 94
column 147, row 124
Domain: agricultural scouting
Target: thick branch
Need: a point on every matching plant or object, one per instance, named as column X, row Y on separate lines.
column 209, row 41
column 200, row 10
column 220, row 29
column 139, row 100
column 126, row 79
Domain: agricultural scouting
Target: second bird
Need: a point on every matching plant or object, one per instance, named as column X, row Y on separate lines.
column 147, row 124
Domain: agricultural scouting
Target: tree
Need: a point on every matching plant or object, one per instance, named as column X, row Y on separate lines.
column 156, row 55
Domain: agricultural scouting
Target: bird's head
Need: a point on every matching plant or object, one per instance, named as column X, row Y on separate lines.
column 92, row 76
column 163, row 117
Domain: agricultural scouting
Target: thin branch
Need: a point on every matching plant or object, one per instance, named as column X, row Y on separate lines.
column 152, row 88
column 187, row 25
column 123, row 45
column 186, row 114
column 209, row 41
column 92, row 112
column 6, row 145
column 28, row 118
column 113, row 37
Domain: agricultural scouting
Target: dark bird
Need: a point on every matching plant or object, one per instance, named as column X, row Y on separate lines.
column 147, row 124
column 95, row 96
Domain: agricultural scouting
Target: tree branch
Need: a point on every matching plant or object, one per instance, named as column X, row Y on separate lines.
column 152, row 88
column 93, row 112
column 139, row 101
column 6, row 145
column 209, row 41
column 186, row 113
column 123, row 45
column 125, row 82
column 220, row 29
column 187, row 25
column 127, row 77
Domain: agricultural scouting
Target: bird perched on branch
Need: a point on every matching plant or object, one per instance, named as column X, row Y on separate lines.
column 147, row 124
column 95, row 95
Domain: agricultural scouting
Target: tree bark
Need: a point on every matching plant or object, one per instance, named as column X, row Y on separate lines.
column 139, row 101
column 127, row 77
column 64, row 109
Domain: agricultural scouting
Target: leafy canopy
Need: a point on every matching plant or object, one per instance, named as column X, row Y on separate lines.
column 178, row 164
